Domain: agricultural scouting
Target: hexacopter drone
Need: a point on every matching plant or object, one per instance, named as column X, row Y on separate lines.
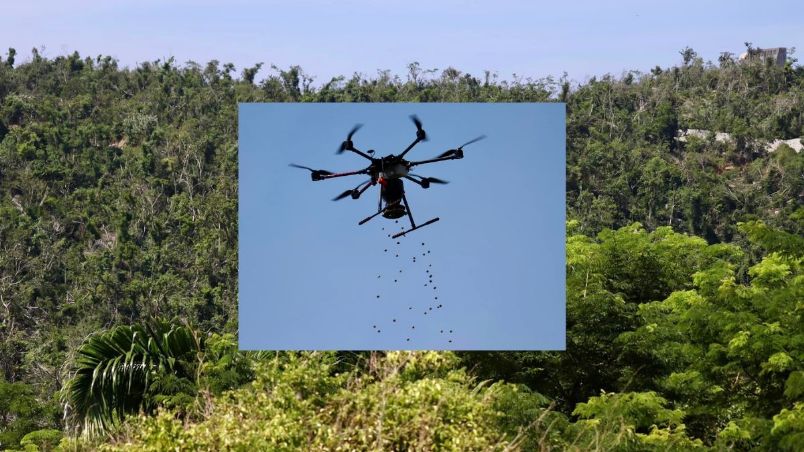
column 389, row 171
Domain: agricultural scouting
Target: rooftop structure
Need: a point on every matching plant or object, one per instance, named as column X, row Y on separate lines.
column 778, row 55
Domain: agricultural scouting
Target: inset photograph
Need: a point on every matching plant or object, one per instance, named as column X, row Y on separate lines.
column 402, row 226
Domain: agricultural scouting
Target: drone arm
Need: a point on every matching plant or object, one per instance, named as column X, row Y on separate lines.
column 422, row 162
column 410, row 214
column 362, row 190
column 351, row 173
column 356, row 151
column 415, row 142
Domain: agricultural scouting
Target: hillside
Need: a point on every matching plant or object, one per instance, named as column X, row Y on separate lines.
column 118, row 205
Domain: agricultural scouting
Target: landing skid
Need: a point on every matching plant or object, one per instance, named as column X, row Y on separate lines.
column 416, row 227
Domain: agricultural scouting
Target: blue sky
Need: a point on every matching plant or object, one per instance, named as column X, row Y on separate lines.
column 310, row 276
column 329, row 38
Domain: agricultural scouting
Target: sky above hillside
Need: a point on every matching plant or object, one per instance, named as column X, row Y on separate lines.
column 330, row 38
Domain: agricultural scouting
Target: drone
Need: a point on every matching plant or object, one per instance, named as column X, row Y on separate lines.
column 388, row 172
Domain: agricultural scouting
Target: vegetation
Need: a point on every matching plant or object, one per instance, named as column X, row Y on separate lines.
column 118, row 204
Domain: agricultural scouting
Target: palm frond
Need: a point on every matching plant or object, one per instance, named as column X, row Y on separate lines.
column 114, row 368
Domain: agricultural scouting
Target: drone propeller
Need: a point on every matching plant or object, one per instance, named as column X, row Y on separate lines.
column 459, row 150
column 342, row 195
column 346, row 145
column 431, row 179
column 473, row 140
column 425, row 181
column 355, row 193
column 320, row 172
column 420, row 133
column 435, row 181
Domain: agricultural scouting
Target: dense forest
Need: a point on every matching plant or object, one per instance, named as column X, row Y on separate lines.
column 118, row 270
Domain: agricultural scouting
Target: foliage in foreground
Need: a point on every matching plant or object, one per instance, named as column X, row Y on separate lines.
column 713, row 360
column 399, row 401
column 707, row 331
column 700, row 326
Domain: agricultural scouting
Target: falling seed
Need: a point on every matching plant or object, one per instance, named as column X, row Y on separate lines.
column 374, row 326
column 450, row 340
column 397, row 221
column 394, row 320
column 394, row 280
column 430, row 265
column 450, row 331
column 422, row 254
column 408, row 339
column 428, row 251
column 400, row 271
column 410, row 308
column 378, row 331
column 436, row 298
column 385, row 251
column 413, row 327
column 442, row 331
column 431, row 308
column 422, row 243
column 425, row 284
column 425, row 312
column 397, row 243
column 397, row 255
column 378, row 276
column 378, row 296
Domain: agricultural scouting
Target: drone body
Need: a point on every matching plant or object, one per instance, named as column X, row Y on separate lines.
column 388, row 172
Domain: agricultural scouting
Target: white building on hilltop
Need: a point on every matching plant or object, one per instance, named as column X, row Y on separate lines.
column 778, row 55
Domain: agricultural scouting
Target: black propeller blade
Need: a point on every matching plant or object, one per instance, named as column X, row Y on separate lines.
column 355, row 193
column 431, row 179
column 420, row 133
column 425, row 181
column 321, row 172
column 452, row 152
column 435, row 181
column 348, row 143
column 354, row 129
column 342, row 195
column 473, row 140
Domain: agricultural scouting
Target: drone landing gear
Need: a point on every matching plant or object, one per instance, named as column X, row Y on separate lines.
column 412, row 223
column 416, row 227
column 395, row 210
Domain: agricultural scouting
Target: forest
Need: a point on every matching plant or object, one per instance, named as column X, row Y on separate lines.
column 118, row 269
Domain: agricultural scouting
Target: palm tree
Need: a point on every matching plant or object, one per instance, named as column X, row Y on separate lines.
column 117, row 371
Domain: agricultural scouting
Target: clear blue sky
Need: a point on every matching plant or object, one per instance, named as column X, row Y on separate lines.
column 310, row 276
column 329, row 38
